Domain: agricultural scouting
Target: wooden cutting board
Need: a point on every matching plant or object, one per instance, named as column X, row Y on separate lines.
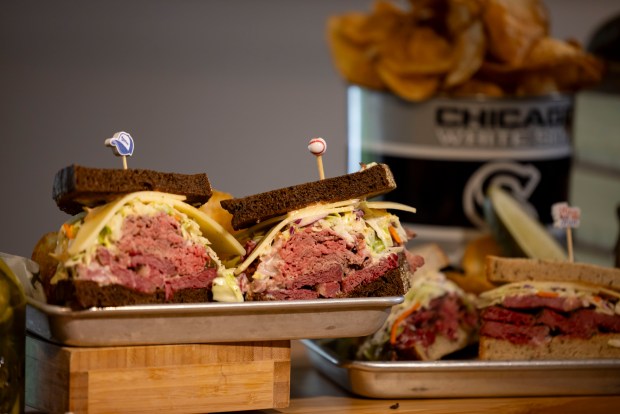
column 192, row 378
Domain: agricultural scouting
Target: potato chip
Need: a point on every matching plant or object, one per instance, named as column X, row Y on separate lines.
column 477, row 87
column 43, row 255
column 469, row 54
column 351, row 28
column 459, row 47
column 513, row 27
column 213, row 209
column 354, row 62
column 384, row 20
column 536, row 83
column 461, row 14
column 409, row 87
column 547, row 51
column 417, row 51
column 551, row 66
column 473, row 278
column 368, row 29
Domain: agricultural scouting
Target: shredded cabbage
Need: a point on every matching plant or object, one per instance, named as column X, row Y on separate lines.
column 226, row 287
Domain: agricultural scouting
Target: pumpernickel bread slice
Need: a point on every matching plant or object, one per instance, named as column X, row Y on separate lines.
column 76, row 187
column 84, row 294
column 370, row 182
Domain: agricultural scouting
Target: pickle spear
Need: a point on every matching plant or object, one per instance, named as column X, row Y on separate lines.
column 516, row 231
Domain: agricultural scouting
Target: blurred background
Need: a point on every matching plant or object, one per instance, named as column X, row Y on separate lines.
column 232, row 88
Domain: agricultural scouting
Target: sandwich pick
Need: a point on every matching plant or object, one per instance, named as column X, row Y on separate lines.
column 122, row 143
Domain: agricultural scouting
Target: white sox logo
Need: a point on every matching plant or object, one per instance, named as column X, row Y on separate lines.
column 520, row 179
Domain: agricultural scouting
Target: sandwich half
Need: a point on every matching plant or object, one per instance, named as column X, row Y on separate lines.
column 127, row 246
column 145, row 247
column 436, row 319
column 322, row 239
column 549, row 310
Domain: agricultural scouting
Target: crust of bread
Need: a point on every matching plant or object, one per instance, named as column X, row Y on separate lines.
column 395, row 282
column 76, row 187
column 367, row 183
column 559, row 347
column 435, row 257
column 506, row 270
column 84, row 294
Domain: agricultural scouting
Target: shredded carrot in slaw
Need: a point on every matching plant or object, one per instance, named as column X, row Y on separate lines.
column 399, row 320
column 68, row 229
column 546, row 294
column 395, row 235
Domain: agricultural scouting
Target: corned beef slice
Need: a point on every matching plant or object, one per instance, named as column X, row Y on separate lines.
column 151, row 255
column 517, row 334
column 369, row 274
column 528, row 323
column 443, row 316
column 324, row 263
column 499, row 314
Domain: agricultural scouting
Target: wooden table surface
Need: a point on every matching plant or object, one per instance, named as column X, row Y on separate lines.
column 312, row 393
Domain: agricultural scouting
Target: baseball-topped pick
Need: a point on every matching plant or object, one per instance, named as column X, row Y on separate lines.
column 566, row 217
column 122, row 143
column 318, row 146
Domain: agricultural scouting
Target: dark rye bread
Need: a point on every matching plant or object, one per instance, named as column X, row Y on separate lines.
column 395, row 282
column 76, row 187
column 84, row 294
column 370, row 182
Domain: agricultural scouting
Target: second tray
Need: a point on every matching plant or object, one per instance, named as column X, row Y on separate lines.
column 466, row 378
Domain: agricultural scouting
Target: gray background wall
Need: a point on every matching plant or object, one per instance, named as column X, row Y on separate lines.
column 232, row 88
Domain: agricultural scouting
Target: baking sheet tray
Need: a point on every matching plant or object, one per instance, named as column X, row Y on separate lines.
column 208, row 322
column 466, row 378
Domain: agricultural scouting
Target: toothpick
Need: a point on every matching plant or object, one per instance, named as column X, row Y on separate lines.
column 569, row 244
column 565, row 216
column 122, row 144
column 317, row 147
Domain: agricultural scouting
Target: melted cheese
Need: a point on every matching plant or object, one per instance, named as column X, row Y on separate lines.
column 390, row 205
column 96, row 219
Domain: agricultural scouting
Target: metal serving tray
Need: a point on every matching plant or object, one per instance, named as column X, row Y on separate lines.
column 466, row 378
column 208, row 322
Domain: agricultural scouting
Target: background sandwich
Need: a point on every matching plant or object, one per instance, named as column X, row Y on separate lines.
column 436, row 319
column 550, row 310
column 138, row 246
column 323, row 239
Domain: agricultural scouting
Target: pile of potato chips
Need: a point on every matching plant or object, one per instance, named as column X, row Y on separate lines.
column 458, row 48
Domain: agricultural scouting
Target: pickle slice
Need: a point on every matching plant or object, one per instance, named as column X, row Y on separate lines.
column 516, row 231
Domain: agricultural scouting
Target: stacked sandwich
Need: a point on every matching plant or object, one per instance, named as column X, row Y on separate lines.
column 135, row 237
column 141, row 236
column 549, row 310
column 323, row 239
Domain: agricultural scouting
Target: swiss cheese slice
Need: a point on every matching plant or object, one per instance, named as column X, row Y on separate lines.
column 222, row 242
